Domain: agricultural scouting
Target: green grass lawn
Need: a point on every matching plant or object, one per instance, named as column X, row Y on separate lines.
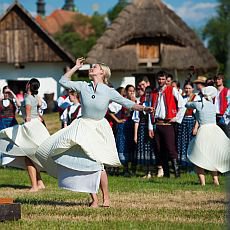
column 136, row 203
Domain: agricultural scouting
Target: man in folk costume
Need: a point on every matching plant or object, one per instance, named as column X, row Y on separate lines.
column 221, row 102
column 169, row 108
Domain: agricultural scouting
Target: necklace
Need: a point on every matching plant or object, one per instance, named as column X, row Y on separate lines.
column 94, row 90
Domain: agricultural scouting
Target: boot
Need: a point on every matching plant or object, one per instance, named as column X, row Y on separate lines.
column 166, row 169
column 176, row 168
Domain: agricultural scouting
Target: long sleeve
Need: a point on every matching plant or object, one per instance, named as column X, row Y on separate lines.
column 73, row 85
column 64, row 116
column 136, row 117
column 116, row 97
column 180, row 105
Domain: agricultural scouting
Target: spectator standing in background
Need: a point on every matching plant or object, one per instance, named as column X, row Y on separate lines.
column 9, row 105
column 73, row 111
column 221, row 101
column 169, row 108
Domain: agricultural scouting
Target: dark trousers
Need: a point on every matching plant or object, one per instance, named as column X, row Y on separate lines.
column 165, row 144
column 224, row 127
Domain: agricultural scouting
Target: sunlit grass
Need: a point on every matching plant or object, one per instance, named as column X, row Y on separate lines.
column 136, row 203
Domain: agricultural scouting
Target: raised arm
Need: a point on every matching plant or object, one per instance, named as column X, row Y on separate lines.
column 65, row 80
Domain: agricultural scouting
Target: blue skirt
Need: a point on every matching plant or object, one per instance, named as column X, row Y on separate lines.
column 7, row 122
column 125, row 141
column 145, row 146
column 184, row 137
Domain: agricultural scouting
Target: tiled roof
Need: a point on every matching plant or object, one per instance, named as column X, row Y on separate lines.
column 56, row 20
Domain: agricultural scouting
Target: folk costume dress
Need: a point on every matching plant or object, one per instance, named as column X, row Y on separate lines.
column 144, row 154
column 71, row 113
column 76, row 154
column 8, row 109
column 124, row 136
column 184, row 131
column 22, row 141
column 210, row 149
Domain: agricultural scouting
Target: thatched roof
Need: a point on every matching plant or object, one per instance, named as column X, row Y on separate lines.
column 151, row 19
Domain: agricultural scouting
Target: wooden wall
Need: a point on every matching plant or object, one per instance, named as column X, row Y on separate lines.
column 22, row 41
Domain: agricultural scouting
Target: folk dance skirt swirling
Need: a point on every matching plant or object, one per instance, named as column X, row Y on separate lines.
column 210, row 149
column 20, row 141
column 76, row 154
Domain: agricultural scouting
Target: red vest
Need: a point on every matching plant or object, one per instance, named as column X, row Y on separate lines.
column 189, row 112
column 223, row 100
column 169, row 99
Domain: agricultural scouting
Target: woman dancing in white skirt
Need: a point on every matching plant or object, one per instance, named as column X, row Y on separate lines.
column 77, row 153
column 19, row 143
column 210, row 149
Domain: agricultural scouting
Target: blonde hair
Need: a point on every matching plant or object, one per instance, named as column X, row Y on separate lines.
column 107, row 72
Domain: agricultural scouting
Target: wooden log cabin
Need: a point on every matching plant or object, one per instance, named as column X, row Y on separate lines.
column 27, row 50
column 147, row 36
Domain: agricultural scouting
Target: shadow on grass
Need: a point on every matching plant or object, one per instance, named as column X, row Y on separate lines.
column 50, row 202
column 14, row 186
column 169, row 181
column 225, row 202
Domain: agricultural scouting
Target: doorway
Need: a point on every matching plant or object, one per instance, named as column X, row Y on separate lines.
column 17, row 86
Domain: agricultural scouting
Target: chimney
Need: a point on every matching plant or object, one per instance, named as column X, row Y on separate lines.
column 69, row 5
column 41, row 8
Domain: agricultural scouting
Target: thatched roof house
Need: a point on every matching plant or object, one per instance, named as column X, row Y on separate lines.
column 146, row 36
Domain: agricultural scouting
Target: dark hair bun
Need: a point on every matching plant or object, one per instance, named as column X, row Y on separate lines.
column 34, row 86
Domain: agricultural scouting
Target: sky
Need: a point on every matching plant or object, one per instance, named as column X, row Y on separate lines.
column 194, row 12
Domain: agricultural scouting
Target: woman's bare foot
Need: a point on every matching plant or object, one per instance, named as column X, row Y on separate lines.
column 41, row 185
column 106, row 204
column 34, row 189
column 216, row 182
column 93, row 204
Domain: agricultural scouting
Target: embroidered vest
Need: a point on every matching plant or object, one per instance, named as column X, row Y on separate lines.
column 9, row 111
column 73, row 115
column 169, row 100
column 189, row 112
column 223, row 100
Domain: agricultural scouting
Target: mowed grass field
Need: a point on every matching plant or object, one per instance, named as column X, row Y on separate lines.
column 136, row 203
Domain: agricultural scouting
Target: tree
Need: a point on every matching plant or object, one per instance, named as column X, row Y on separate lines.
column 113, row 13
column 217, row 32
column 73, row 42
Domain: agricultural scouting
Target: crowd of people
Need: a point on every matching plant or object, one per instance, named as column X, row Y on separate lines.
column 152, row 141
column 148, row 130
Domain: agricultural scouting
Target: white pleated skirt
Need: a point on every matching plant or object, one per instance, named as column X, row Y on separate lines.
column 76, row 154
column 210, row 149
column 22, row 141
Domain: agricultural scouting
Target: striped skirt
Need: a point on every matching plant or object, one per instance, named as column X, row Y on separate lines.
column 145, row 146
column 125, row 141
column 184, row 136
column 77, row 153
column 7, row 122
column 22, row 141
column 210, row 149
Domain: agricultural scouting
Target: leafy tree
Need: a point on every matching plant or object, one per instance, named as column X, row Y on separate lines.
column 113, row 13
column 98, row 24
column 217, row 32
column 73, row 42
